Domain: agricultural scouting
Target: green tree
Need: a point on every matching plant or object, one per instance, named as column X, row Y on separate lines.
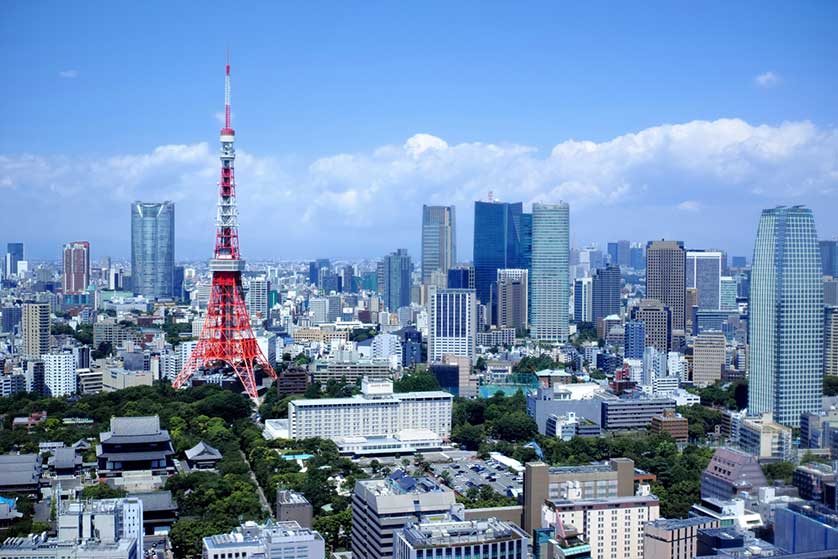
column 513, row 427
column 102, row 490
column 779, row 471
column 468, row 436
column 418, row 381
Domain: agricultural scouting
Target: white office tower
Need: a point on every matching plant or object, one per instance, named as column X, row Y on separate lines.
column 727, row 293
column 583, row 300
column 59, row 373
column 169, row 366
column 452, row 323
column 184, row 350
column 272, row 540
column 654, row 365
column 453, row 537
column 257, row 299
column 389, row 347
column 381, row 507
column 703, row 273
column 550, row 280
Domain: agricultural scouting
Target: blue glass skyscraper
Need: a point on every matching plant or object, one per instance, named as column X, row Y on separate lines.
column 153, row 249
column 502, row 239
column 550, row 280
column 635, row 339
column 786, row 310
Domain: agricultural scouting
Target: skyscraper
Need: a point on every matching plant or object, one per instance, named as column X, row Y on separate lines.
column 452, row 323
column 502, row 239
column 786, row 317
column 830, row 341
column 35, row 330
column 153, row 249
column 727, row 293
column 550, row 271
column 829, row 257
column 665, row 276
column 635, row 339
column 605, row 298
column 314, row 268
column 461, row 277
column 512, row 293
column 76, row 267
column 394, row 277
column 439, row 240
column 657, row 323
column 257, row 299
column 582, row 300
column 14, row 254
column 704, row 272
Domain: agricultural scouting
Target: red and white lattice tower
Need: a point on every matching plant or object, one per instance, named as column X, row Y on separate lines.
column 227, row 337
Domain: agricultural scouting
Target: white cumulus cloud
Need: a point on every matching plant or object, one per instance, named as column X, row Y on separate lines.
column 368, row 202
column 68, row 74
column 768, row 79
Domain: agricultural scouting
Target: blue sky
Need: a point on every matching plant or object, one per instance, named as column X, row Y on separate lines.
column 678, row 120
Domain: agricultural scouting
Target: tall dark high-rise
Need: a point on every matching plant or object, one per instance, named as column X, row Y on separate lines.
column 635, row 339
column 439, row 240
column 786, row 317
column 395, row 271
column 461, row 277
column 829, row 257
column 153, row 249
column 666, row 277
column 605, row 295
column 502, row 239
column 314, row 268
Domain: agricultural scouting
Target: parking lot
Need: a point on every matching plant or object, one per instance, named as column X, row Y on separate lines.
column 474, row 473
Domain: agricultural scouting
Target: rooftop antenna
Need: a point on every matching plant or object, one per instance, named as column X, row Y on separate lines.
column 491, row 196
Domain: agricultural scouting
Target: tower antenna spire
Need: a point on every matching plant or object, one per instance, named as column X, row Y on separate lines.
column 227, row 93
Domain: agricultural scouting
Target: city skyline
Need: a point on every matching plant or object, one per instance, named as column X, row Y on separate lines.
column 331, row 137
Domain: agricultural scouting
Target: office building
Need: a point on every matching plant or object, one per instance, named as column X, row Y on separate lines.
column 812, row 480
column 665, row 278
column 612, row 526
column 605, row 298
column 14, row 255
column 673, row 424
column 394, row 278
column 12, row 316
column 377, row 414
column 786, row 317
column 635, row 339
column 257, row 299
column 272, row 540
column 452, row 323
column 677, row 538
column 830, row 291
column 153, row 249
column 382, row 507
column 830, row 341
column 829, row 257
column 454, row 537
column 502, row 239
column 657, row 323
column 314, row 268
column 461, row 277
column 765, row 439
column 728, row 291
column 731, row 472
column 708, row 358
column 512, row 299
column 614, row 478
column 76, row 267
column 703, row 273
column 550, row 281
column 439, row 240
column 95, row 529
column 583, row 300
column 293, row 506
column 806, row 528
column 59, row 373
column 35, row 322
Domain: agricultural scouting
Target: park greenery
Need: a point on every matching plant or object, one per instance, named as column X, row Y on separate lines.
column 830, row 385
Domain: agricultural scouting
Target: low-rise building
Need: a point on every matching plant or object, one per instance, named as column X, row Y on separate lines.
column 667, row 538
column 118, row 378
column 202, row 456
column 456, row 538
column 729, row 473
column 766, row 439
column 20, row 473
column 672, row 423
column 293, row 506
column 729, row 513
column 133, row 449
column 272, row 540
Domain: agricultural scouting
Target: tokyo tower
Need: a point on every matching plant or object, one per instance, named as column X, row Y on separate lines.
column 227, row 337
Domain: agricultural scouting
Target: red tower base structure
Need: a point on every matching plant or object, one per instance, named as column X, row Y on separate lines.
column 227, row 337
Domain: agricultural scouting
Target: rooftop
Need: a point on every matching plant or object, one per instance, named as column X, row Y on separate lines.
column 252, row 533
column 678, row 523
column 465, row 532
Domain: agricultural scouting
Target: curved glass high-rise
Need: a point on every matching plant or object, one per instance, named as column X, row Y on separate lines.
column 153, row 249
column 786, row 317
